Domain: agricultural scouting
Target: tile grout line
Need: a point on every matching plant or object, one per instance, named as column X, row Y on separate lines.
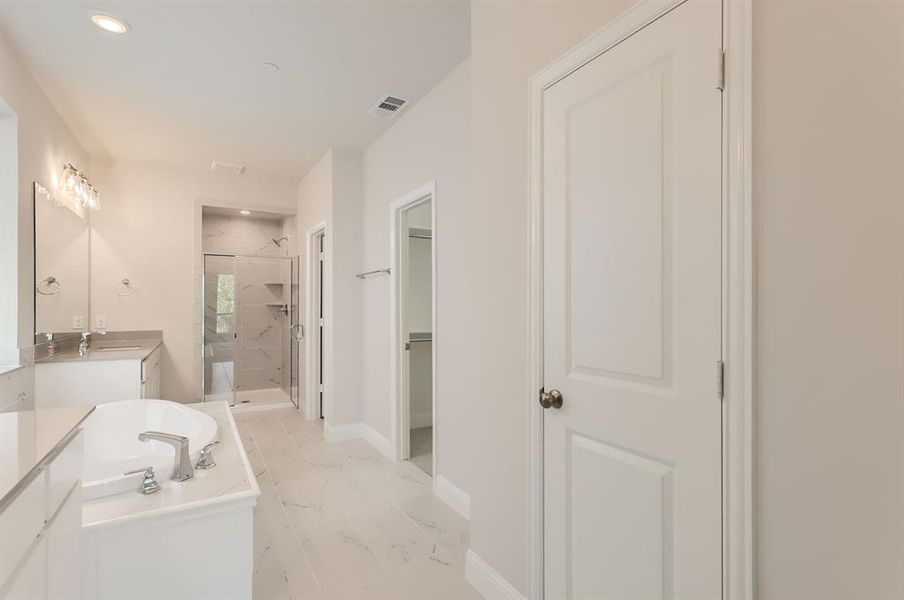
column 354, row 525
column 282, row 506
column 438, row 548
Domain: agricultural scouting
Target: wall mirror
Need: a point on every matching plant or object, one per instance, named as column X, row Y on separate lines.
column 61, row 264
column 9, row 239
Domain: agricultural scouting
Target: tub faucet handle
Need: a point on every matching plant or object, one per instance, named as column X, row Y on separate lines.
column 149, row 485
column 206, row 461
column 182, row 469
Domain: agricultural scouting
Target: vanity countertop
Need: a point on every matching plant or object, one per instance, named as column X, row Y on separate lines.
column 28, row 438
column 101, row 349
column 230, row 481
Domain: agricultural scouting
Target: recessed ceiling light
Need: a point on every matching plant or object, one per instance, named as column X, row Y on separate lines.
column 109, row 23
column 273, row 67
column 245, row 212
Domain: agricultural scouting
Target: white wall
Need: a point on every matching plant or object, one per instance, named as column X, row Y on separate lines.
column 829, row 201
column 146, row 231
column 428, row 142
column 510, row 41
column 347, row 315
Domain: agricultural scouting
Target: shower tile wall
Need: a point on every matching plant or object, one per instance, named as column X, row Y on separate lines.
column 242, row 235
column 261, row 288
column 262, row 358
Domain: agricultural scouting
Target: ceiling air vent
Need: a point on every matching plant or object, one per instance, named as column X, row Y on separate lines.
column 227, row 168
column 388, row 106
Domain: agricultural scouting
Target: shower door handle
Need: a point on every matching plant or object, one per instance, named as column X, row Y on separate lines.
column 297, row 331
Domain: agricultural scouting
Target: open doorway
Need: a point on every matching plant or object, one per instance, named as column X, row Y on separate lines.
column 414, row 333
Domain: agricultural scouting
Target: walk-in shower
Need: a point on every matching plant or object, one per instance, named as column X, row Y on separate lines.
column 250, row 325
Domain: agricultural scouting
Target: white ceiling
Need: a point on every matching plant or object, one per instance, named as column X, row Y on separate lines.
column 188, row 85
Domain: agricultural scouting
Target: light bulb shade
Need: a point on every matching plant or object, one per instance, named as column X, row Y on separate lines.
column 75, row 185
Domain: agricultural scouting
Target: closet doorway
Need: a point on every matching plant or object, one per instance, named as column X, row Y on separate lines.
column 413, row 274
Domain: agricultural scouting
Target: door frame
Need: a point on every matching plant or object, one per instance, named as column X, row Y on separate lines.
column 314, row 353
column 400, row 417
column 738, row 316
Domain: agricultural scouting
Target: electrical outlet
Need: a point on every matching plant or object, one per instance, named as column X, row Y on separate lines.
column 78, row 322
column 100, row 322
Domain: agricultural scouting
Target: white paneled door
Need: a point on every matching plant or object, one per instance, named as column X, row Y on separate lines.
column 632, row 323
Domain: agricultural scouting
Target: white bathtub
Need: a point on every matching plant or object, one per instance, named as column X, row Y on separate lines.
column 112, row 446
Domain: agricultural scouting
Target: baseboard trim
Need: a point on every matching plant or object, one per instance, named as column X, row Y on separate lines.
column 452, row 495
column 334, row 433
column 487, row 580
column 378, row 441
column 359, row 431
column 420, row 421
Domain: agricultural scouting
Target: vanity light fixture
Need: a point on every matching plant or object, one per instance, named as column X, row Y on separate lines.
column 74, row 184
column 245, row 212
column 110, row 23
column 40, row 190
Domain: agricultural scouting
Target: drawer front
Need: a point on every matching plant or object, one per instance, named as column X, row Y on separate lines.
column 64, row 550
column 29, row 582
column 63, row 472
column 21, row 522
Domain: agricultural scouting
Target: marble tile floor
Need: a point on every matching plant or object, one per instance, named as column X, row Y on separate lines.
column 337, row 521
column 421, row 449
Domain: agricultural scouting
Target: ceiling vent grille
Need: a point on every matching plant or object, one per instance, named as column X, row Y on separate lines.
column 228, row 168
column 388, row 106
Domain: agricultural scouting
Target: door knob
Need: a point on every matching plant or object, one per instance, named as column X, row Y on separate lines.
column 551, row 399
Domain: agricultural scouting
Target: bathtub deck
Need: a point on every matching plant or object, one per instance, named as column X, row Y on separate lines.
column 231, row 481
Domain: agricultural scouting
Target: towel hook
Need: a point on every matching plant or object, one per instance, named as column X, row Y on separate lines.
column 52, row 284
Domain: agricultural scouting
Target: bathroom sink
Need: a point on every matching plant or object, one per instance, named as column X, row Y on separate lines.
column 114, row 348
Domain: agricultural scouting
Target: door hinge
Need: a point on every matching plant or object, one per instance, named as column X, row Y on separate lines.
column 720, row 379
column 321, row 388
column 720, row 72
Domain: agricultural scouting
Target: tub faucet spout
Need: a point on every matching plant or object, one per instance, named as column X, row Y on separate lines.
column 182, row 469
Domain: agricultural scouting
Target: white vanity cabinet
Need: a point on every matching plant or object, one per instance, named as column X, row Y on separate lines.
column 40, row 530
column 150, row 375
column 97, row 380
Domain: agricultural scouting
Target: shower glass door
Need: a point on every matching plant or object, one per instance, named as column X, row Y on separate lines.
column 220, row 328
column 294, row 334
column 250, row 329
